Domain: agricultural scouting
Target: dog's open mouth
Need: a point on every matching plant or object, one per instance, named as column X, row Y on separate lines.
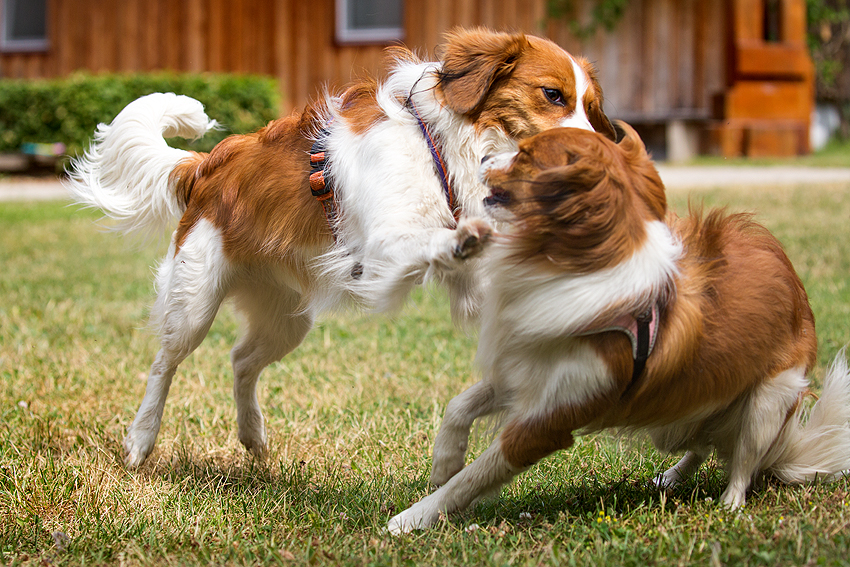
column 497, row 197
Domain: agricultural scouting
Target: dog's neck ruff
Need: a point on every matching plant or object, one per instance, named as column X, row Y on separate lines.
column 322, row 187
column 439, row 164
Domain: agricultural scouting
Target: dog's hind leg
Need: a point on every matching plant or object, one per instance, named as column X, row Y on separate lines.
column 192, row 283
column 453, row 438
column 275, row 326
column 755, row 428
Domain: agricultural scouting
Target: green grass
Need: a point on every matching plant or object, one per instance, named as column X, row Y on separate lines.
column 351, row 415
column 836, row 153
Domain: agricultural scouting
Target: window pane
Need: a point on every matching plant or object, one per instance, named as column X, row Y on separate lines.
column 24, row 25
column 370, row 14
column 369, row 21
column 26, row 19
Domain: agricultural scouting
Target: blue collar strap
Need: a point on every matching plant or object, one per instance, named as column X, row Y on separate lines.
column 439, row 164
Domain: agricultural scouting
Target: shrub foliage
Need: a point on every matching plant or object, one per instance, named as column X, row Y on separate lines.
column 68, row 110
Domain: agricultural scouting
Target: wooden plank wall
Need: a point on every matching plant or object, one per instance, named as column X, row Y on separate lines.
column 290, row 39
column 147, row 35
column 665, row 58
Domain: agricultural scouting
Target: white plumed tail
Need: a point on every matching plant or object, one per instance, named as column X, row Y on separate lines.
column 125, row 172
column 819, row 447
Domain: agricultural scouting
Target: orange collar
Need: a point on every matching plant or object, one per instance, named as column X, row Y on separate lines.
column 320, row 186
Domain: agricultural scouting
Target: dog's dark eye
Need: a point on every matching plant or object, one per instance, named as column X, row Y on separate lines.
column 554, row 96
column 497, row 197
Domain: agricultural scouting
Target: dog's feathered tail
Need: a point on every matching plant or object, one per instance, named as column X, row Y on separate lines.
column 126, row 172
column 818, row 447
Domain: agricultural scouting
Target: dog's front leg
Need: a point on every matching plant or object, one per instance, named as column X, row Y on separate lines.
column 393, row 261
column 483, row 476
column 522, row 443
column 466, row 241
column 452, row 440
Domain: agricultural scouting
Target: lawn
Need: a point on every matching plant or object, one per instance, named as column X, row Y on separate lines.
column 351, row 416
column 836, row 153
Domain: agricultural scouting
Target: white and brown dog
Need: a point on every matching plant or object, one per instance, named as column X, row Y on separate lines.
column 606, row 311
column 355, row 200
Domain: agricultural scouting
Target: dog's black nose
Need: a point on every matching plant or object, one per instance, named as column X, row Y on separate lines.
column 485, row 158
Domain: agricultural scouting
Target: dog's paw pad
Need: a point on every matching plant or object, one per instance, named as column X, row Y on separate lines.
column 472, row 236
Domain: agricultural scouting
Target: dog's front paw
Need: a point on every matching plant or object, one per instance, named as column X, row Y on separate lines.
column 444, row 469
column 472, row 235
column 138, row 444
column 256, row 444
column 733, row 497
column 667, row 481
column 420, row 516
column 252, row 433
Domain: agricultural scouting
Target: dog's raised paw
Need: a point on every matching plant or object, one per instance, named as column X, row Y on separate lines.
column 472, row 235
column 440, row 475
column 448, row 460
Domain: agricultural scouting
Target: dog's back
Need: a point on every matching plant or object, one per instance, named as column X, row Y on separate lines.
column 255, row 189
column 739, row 315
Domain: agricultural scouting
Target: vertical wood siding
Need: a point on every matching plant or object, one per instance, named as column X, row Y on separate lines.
column 665, row 58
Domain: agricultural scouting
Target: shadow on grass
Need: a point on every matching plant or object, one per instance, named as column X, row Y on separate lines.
column 333, row 493
column 337, row 495
column 586, row 496
column 326, row 494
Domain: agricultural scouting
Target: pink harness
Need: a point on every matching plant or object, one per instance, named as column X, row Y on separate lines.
column 642, row 330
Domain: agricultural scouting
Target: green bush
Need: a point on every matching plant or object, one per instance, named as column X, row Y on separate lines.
column 829, row 43
column 68, row 110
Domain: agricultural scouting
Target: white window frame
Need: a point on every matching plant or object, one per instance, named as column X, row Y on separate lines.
column 8, row 44
column 346, row 35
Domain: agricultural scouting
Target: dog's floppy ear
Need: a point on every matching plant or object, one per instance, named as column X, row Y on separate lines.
column 594, row 105
column 472, row 60
column 599, row 120
column 647, row 181
column 560, row 182
column 631, row 144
